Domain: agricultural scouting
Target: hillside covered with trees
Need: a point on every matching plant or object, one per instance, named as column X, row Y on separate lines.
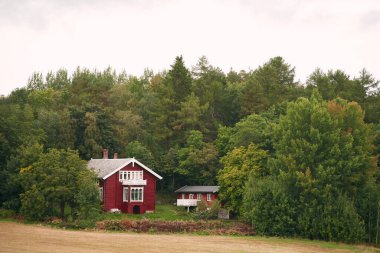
column 295, row 159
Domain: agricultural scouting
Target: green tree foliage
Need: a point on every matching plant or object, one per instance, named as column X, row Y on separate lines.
column 17, row 132
column 178, row 119
column 275, row 72
column 57, row 179
column 36, row 82
column 337, row 84
column 198, row 160
column 363, row 89
column 330, row 139
column 210, row 85
column 252, row 129
column 253, row 98
column 268, row 207
column 93, row 130
column 179, row 80
column 237, row 165
column 28, row 153
column 189, row 115
column 320, row 175
column 141, row 153
column 58, row 80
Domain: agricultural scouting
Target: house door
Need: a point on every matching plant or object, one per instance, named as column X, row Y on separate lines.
column 136, row 210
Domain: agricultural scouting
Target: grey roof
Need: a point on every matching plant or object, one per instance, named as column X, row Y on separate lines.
column 190, row 189
column 106, row 167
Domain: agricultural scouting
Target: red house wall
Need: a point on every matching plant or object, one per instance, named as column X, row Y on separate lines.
column 204, row 196
column 113, row 192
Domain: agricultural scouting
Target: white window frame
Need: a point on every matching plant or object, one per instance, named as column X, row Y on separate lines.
column 199, row 196
column 133, row 189
column 101, row 193
column 125, row 194
column 208, row 196
column 183, row 195
column 131, row 175
column 191, row 196
column 121, row 175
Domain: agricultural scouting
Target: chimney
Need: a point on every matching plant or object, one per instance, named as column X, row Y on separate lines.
column 114, row 155
column 105, row 153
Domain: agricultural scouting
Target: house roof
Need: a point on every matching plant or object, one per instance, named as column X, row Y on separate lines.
column 190, row 189
column 107, row 167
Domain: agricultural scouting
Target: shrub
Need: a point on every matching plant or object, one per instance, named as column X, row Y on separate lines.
column 214, row 210
column 268, row 208
column 5, row 213
column 209, row 227
column 335, row 219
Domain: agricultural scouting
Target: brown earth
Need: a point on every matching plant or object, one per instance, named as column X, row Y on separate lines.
column 16, row 237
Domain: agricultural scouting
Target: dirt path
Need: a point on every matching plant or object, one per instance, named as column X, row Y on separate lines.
column 16, row 237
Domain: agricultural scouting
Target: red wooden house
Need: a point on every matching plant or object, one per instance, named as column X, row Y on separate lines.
column 190, row 195
column 126, row 184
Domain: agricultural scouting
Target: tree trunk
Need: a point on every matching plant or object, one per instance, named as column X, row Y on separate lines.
column 62, row 206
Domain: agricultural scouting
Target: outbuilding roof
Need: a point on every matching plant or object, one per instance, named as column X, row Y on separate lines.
column 107, row 167
column 190, row 189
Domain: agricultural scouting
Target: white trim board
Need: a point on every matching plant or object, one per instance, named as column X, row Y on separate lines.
column 132, row 160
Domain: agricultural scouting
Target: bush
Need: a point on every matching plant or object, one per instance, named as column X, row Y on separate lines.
column 200, row 215
column 206, row 212
column 202, row 205
column 268, row 208
column 5, row 213
column 34, row 206
column 209, row 227
column 335, row 219
column 214, row 210
column 316, row 214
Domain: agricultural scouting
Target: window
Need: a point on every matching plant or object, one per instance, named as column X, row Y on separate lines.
column 208, row 196
column 191, row 196
column 101, row 193
column 125, row 194
column 137, row 194
column 130, row 175
column 199, row 196
column 183, row 195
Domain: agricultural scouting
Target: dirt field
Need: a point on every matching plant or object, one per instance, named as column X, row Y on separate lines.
column 16, row 237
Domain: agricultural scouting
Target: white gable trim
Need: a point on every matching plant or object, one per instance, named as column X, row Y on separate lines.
column 133, row 160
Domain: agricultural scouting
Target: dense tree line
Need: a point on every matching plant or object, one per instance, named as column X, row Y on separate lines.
column 293, row 153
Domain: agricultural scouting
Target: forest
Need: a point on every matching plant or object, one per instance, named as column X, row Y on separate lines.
column 291, row 158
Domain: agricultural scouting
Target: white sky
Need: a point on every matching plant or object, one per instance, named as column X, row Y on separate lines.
column 136, row 34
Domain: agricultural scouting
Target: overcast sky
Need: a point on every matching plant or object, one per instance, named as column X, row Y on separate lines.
column 133, row 35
